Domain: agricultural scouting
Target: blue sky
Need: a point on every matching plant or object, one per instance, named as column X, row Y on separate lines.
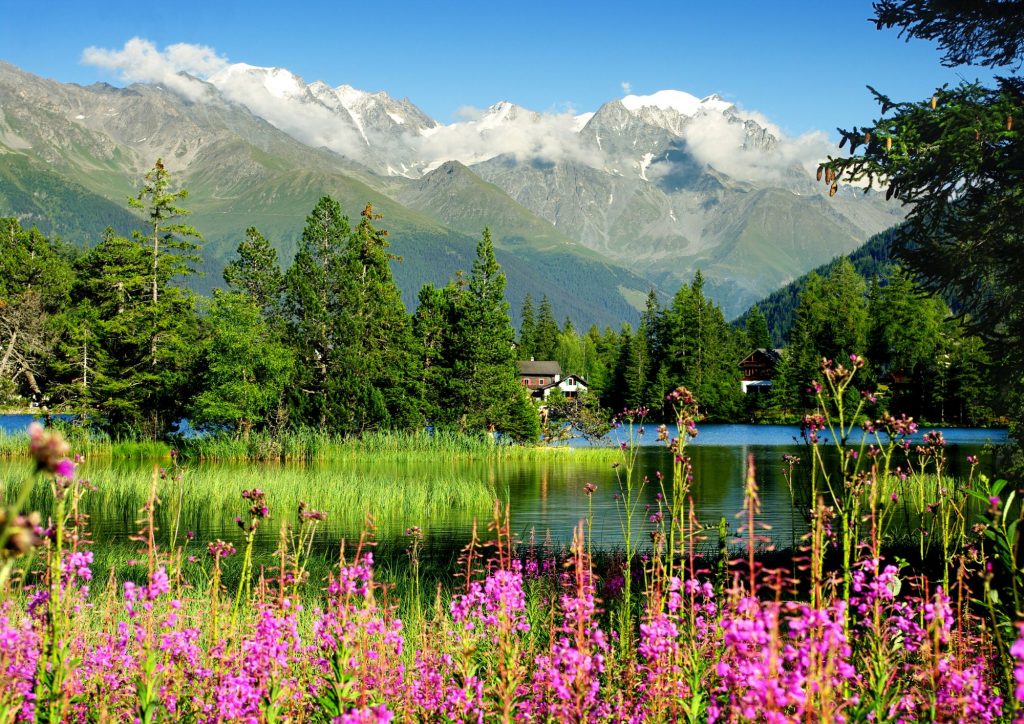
column 804, row 65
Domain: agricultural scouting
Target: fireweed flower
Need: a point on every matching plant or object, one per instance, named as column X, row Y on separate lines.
column 218, row 549
column 145, row 595
column 811, row 427
column 1017, row 652
column 567, row 681
column 50, row 451
column 499, row 598
column 19, row 655
column 64, row 469
column 76, row 571
column 306, row 513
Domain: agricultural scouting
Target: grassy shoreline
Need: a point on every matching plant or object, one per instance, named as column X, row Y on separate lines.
column 310, row 446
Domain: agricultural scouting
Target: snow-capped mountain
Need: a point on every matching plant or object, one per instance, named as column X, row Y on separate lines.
column 371, row 128
column 662, row 183
column 396, row 138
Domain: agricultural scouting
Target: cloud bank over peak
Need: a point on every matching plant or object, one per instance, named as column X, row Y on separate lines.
column 139, row 61
column 507, row 129
column 727, row 146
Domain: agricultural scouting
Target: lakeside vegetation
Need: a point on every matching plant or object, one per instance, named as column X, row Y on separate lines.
column 656, row 631
column 113, row 336
column 307, row 446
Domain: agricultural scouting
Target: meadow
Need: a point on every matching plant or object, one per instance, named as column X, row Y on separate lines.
column 164, row 628
column 863, row 621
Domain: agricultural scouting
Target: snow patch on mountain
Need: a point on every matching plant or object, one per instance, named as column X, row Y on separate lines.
column 645, row 163
column 678, row 101
column 581, row 120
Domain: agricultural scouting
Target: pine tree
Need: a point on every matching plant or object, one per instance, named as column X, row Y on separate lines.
column 831, row 322
column 547, row 331
column 434, row 325
column 700, row 351
column 485, row 378
column 131, row 393
column 316, row 292
column 380, row 353
column 257, row 273
column 358, row 368
column 173, row 252
column 527, row 330
column 757, row 330
column 625, row 375
column 599, row 363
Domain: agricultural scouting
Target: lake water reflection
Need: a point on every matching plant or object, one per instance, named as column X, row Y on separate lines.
column 555, row 501
column 546, row 496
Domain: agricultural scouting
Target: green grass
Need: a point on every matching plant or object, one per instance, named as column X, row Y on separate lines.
column 314, row 446
column 207, row 498
column 306, row 445
column 90, row 444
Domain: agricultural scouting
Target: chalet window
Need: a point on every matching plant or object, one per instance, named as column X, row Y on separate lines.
column 540, row 381
column 526, row 380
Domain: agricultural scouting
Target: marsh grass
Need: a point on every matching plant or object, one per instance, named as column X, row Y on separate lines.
column 90, row 444
column 309, row 446
column 205, row 498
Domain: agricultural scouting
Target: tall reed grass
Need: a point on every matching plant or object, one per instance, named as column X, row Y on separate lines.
column 90, row 443
column 307, row 445
column 204, row 498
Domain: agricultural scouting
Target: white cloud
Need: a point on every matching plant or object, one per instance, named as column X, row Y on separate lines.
column 627, row 87
column 139, row 61
column 507, row 130
column 724, row 144
column 282, row 99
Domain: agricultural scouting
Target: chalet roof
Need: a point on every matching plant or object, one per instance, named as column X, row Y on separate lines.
column 771, row 356
column 545, row 368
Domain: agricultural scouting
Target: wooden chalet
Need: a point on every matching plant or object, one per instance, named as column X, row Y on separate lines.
column 759, row 369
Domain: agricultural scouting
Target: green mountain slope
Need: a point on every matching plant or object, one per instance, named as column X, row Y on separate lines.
column 37, row 196
column 872, row 259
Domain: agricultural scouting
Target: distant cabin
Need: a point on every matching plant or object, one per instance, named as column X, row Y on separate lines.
column 759, row 370
column 540, row 377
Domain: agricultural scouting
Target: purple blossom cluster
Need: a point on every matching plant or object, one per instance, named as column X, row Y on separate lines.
column 727, row 656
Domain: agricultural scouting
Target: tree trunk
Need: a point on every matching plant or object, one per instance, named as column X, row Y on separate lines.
column 8, row 352
column 156, row 257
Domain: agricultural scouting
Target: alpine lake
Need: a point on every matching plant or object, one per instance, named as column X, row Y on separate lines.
column 446, row 498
